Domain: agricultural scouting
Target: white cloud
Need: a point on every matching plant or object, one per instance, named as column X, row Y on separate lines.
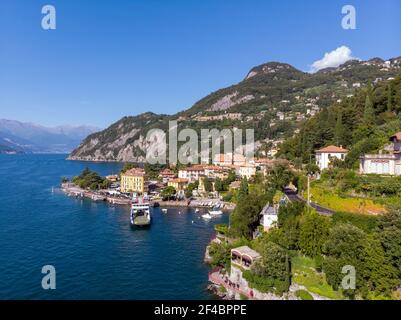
column 333, row 59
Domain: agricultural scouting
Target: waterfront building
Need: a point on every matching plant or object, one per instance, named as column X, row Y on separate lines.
column 242, row 258
column 213, row 171
column 387, row 162
column 192, row 173
column 166, row 175
column 325, row 155
column 133, row 180
column 179, row 184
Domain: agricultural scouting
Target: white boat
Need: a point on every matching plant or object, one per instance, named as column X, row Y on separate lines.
column 196, row 210
column 206, row 216
column 164, row 210
column 215, row 212
column 140, row 213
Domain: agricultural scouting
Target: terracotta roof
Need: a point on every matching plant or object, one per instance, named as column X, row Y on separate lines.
column 333, row 149
column 396, row 136
column 167, row 172
column 214, row 168
column 134, row 172
column 235, row 184
column 179, row 180
column 245, row 250
column 264, row 161
column 197, row 168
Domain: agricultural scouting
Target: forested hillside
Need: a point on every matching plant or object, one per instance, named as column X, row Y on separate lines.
column 362, row 123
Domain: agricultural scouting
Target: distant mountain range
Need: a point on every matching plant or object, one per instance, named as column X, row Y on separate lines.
column 274, row 99
column 21, row 137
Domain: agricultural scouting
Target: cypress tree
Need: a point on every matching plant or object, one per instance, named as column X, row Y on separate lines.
column 389, row 98
column 339, row 131
column 369, row 111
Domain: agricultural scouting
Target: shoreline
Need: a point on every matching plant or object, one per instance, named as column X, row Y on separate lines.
column 72, row 190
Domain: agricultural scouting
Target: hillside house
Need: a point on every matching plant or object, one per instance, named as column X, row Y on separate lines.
column 325, row 155
column 384, row 163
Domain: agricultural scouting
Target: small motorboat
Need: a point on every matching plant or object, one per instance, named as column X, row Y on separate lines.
column 164, row 210
column 207, row 216
column 196, row 210
column 216, row 211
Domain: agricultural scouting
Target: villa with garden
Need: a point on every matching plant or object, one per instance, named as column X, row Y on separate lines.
column 387, row 161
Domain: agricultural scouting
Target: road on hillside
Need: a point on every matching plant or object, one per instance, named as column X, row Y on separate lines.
column 293, row 196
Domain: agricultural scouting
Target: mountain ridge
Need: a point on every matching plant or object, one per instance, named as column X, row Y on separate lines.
column 26, row 137
column 274, row 98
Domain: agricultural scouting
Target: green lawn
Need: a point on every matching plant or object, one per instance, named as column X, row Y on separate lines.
column 304, row 273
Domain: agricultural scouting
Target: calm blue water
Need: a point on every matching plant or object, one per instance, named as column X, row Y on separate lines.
column 95, row 252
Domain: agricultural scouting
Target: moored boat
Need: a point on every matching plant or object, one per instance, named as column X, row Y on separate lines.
column 215, row 211
column 207, row 216
column 140, row 213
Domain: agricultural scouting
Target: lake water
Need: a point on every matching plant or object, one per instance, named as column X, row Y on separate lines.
column 92, row 246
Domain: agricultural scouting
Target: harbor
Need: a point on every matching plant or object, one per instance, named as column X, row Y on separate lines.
column 72, row 190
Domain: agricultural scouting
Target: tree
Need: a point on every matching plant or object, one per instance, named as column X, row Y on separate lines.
column 218, row 185
column 190, row 188
column 289, row 211
column 339, row 131
column 369, row 111
column 208, row 184
column 245, row 217
column 289, row 222
column 312, row 168
column 280, row 176
column 243, row 189
column 390, row 97
column 313, row 234
column 349, row 245
column 220, row 254
column 168, row 192
column 90, row 180
column 273, row 267
column 153, row 170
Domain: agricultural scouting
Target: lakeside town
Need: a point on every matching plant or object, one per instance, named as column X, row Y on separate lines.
column 269, row 195
column 193, row 185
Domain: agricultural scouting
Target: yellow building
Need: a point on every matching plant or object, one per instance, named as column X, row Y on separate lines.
column 179, row 184
column 133, row 180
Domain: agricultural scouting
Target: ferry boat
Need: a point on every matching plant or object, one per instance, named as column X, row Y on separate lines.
column 140, row 212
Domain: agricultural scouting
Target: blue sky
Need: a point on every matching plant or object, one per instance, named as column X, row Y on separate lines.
column 108, row 59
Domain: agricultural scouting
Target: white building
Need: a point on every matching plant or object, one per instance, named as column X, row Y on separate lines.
column 325, row 155
column 388, row 163
column 248, row 170
column 192, row 173
column 269, row 217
